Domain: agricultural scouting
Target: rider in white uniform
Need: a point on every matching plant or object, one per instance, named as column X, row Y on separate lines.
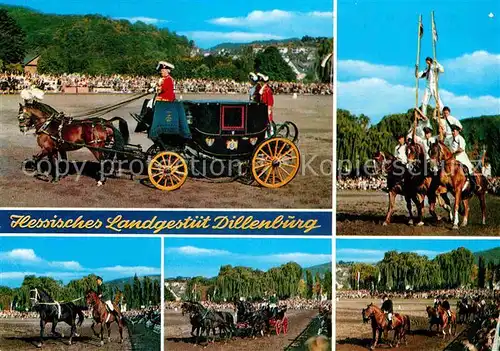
column 431, row 74
column 447, row 121
column 428, row 141
column 457, row 146
column 400, row 149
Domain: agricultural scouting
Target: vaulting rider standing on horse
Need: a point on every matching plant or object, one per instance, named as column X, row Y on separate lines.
column 388, row 309
column 430, row 74
column 100, row 293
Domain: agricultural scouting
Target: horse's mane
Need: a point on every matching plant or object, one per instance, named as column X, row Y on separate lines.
column 45, row 294
column 47, row 109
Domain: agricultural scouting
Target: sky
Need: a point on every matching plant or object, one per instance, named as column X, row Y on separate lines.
column 208, row 22
column 377, row 49
column 204, row 257
column 73, row 258
column 373, row 250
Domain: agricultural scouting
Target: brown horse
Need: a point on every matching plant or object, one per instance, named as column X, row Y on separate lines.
column 399, row 182
column 453, row 177
column 102, row 315
column 418, row 165
column 440, row 318
column 400, row 324
column 58, row 134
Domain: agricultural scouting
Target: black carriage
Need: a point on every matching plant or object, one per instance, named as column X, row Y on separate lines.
column 237, row 134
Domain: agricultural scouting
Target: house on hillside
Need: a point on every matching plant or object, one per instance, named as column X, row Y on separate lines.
column 30, row 64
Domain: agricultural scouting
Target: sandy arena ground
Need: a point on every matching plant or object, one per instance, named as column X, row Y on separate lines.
column 353, row 335
column 18, row 334
column 178, row 337
column 363, row 212
column 310, row 189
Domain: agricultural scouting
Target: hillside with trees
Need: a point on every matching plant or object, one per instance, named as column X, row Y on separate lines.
column 97, row 45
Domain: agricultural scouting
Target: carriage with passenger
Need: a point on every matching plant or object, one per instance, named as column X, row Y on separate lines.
column 198, row 138
column 207, row 138
column 251, row 321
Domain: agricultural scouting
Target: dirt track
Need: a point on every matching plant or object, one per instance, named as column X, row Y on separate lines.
column 178, row 338
column 18, row 334
column 353, row 335
column 312, row 114
column 363, row 212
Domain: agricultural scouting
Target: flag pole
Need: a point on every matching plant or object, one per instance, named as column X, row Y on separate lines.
column 437, row 112
column 419, row 38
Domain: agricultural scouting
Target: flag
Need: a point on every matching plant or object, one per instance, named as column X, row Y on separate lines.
column 358, row 277
column 379, row 276
column 421, row 30
column 434, row 31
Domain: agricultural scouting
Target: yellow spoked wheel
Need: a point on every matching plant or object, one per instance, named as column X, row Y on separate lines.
column 168, row 170
column 275, row 162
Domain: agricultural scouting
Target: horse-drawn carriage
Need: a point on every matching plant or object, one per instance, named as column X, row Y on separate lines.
column 217, row 137
column 198, row 138
column 251, row 321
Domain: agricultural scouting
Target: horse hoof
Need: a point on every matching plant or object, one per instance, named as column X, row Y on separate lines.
column 455, row 226
column 420, row 224
column 39, row 346
column 77, row 335
column 69, row 343
column 439, row 218
column 102, row 343
column 100, row 183
column 385, row 223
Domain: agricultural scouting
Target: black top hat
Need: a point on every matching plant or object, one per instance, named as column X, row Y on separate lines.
column 98, row 278
column 427, row 130
column 455, row 127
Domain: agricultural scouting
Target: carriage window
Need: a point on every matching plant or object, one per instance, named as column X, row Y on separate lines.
column 233, row 118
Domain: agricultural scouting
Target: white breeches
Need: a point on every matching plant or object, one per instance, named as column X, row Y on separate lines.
column 431, row 91
column 110, row 305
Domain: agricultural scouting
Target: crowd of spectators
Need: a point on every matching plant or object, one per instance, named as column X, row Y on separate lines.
column 11, row 83
column 361, row 183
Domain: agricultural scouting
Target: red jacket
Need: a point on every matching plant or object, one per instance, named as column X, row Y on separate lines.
column 166, row 89
column 266, row 97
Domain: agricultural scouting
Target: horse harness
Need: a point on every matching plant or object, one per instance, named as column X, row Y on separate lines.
column 35, row 301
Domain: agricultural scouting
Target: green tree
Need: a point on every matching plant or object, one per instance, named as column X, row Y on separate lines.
column 271, row 63
column 309, row 283
column 481, row 277
column 12, row 39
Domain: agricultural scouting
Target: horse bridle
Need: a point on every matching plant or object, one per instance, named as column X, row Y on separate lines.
column 25, row 120
column 34, row 300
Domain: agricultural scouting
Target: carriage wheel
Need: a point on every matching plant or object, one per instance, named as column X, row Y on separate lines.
column 293, row 131
column 285, row 325
column 277, row 327
column 168, row 170
column 275, row 162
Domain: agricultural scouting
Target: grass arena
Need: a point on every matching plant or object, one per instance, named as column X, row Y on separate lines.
column 178, row 334
column 363, row 212
column 24, row 334
column 354, row 335
column 312, row 188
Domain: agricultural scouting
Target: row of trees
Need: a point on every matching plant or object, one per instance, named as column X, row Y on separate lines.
column 286, row 281
column 410, row 271
column 97, row 45
column 358, row 139
column 145, row 291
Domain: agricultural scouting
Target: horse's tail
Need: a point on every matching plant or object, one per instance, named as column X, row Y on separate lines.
column 118, row 296
column 123, row 127
column 407, row 323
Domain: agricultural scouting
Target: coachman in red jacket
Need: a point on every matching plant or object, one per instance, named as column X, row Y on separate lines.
column 266, row 95
column 166, row 85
